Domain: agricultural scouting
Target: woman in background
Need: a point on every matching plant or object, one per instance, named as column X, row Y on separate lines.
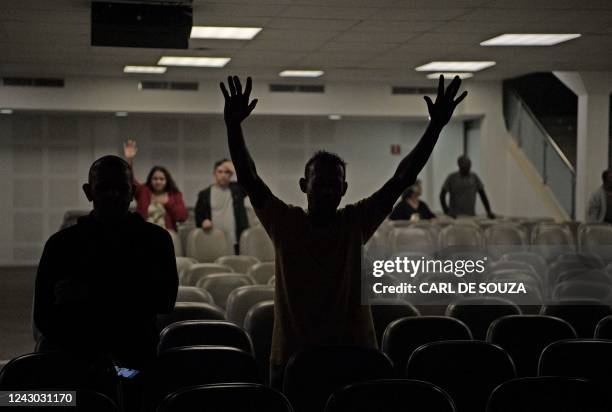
column 158, row 200
column 410, row 207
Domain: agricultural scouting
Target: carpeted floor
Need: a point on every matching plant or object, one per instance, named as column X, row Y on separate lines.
column 16, row 287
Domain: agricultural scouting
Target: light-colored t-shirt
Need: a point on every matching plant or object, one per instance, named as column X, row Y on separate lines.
column 157, row 214
column 318, row 276
column 462, row 190
column 222, row 212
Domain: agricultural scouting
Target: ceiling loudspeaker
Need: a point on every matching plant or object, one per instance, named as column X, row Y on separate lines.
column 160, row 26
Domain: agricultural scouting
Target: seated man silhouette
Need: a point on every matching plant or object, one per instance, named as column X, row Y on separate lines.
column 318, row 250
column 102, row 282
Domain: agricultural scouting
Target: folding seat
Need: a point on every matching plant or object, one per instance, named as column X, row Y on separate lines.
column 545, row 394
column 190, row 311
column 243, row 298
column 182, row 266
column 183, row 231
column 258, row 323
column 589, row 275
column 377, row 246
column 434, row 304
column 204, row 333
column 411, row 239
column 529, row 302
column 226, row 397
column 220, row 285
column 199, row 270
column 207, row 245
column 577, row 289
column 390, row 395
column 526, row 276
column 588, row 259
column 582, row 314
column 603, row 330
column 385, row 311
column 460, row 238
column 503, row 238
column 254, row 241
column 193, row 294
column 178, row 368
column 403, row 336
column 176, row 242
column 325, row 369
column 499, row 265
column 596, row 238
column 525, row 336
column 558, row 267
column 467, row 370
column 262, row 272
column 433, row 228
column 238, row 263
column 551, row 239
column 62, row 371
column 479, row 312
column 536, row 261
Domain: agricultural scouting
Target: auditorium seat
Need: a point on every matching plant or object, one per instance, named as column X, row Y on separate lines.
column 413, row 239
column 254, row 241
column 503, row 238
column 193, row 294
column 545, row 394
column 190, row 311
column 243, row 298
column 467, row 370
column 479, row 312
column 206, row 246
column 262, row 272
column 204, row 333
column 377, row 246
column 527, row 276
column 227, row 397
column 551, row 239
column 577, row 289
column 220, row 285
column 199, row 270
column 272, row 281
column 558, row 267
column 385, row 311
column 500, row 265
column 596, row 238
column 182, row 266
column 176, row 242
column 403, row 336
column 460, row 237
column 179, row 368
column 392, row 395
column 585, row 275
column 258, row 323
column 582, row 314
column 239, row 263
column 525, row 336
column 536, row 261
column 325, row 369
column 62, row 371
column 588, row 259
column 603, row 330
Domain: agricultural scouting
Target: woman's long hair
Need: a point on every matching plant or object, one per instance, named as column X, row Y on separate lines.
column 170, row 185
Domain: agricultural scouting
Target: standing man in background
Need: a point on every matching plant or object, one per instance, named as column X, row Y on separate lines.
column 600, row 203
column 221, row 205
column 463, row 186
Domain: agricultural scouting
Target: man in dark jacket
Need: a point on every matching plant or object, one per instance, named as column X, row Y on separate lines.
column 102, row 282
column 222, row 205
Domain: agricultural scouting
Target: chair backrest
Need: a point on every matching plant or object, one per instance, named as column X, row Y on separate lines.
column 220, row 285
column 377, row 247
column 325, row 369
column 193, row 294
column 544, row 394
column 239, row 263
column 259, row 322
column 176, row 242
column 385, row 311
column 582, row 314
column 576, row 289
column 207, row 245
column 182, row 265
column 178, row 368
column 262, row 272
column 190, row 311
column 478, row 313
column 403, row 336
column 467, row 370
column 199, row 270
column 581, row 358
column 204, row 333
column 589, row 259
column 503, row 238
column 226, row 397
column 243, row 298
column 551, row 239
column 588, row 275
column 414, row 239
column 254, row 241
column 536, row 261
column 525, row 336
column 603, row 330
column 459, row 236
column 597, row 238
column 384, row 395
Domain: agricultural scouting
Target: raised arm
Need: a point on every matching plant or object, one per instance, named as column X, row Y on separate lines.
column 237, row 108
column 485, row 203
column 440, row 113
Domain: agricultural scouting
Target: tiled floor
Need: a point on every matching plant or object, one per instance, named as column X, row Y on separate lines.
column 16, row 287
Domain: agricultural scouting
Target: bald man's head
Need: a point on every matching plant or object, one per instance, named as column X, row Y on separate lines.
column 465, row 164
column 109, row 187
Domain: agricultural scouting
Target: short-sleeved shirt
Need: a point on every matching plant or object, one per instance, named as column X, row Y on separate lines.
column 462, row 191
column 318, row 276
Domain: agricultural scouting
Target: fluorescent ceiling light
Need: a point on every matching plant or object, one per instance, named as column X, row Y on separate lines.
column 229, row 33
column 301, row 73
column 193, row 61
column 450, row 75
column 6, row 111
column 529, row 39
column 335, row 117
column 121, row 114
column 472, row 66
column 145, row 69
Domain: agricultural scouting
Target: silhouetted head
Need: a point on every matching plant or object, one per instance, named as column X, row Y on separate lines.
column 223, row 172
column 465, row 164
column 160, row 181
column 324, row 183
column 109, row 187
column 606, row 176
column 413, row 191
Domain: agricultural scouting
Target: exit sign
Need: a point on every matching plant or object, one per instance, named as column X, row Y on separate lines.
column 396, row 149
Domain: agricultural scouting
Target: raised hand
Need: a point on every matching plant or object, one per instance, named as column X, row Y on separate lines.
column 237, row 105
column 130, row 149
column 442, row 109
